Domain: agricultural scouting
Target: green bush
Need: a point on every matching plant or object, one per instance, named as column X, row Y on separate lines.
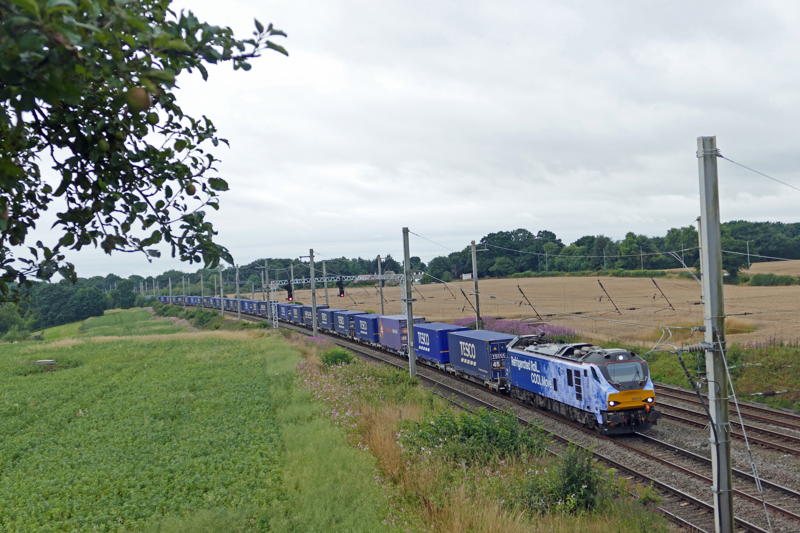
column 479, row 437
column 579, row 481
column 15, row 334
column 572, row 484
column 771, row 280
column 336, row 356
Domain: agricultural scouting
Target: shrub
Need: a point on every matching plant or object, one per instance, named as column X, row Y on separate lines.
column 578, row 481
column 770, row 280
column 15, row 334
column 479, row 437
column 336, row 356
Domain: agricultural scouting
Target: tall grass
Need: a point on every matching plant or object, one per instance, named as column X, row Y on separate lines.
column 453, row 472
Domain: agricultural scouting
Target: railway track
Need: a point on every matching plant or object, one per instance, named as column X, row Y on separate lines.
column 679, row 506
column 764, row 437
column 748, row 410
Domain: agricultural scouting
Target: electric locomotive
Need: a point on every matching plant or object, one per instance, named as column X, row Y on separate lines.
column 606, row 389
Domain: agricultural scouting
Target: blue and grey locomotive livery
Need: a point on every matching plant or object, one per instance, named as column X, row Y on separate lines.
column 606, row 389
column 609, row 390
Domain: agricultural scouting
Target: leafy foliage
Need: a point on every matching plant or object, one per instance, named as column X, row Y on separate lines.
column 478, row 437
column 336, row 356
column 89, row 85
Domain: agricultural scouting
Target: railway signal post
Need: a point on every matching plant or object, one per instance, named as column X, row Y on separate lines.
column 714, row 319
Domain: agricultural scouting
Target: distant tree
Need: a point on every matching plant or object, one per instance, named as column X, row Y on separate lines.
column 503, row 266
column 125, row 295
column 10, row 316
column 90, row 83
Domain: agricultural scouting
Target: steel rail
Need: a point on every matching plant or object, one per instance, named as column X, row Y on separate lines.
column 751, row 430
column 776, row 418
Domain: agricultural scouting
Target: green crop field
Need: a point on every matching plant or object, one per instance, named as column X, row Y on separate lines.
column 183, row 432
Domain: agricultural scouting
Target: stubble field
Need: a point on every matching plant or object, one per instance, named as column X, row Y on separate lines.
column 628, row 312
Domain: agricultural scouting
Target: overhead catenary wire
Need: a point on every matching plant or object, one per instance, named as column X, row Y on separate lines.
column 757, row 172
column 572, row 315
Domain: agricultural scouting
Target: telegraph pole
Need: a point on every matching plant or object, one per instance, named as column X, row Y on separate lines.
column 170, row 290
column 202, row 292
column 714, row 318
column 183, row 284
column 478, row 319
column 641, row 256
column 412, row 356
column 238, row 297
column 313, row 293
column 325, row 277
column 380, row 284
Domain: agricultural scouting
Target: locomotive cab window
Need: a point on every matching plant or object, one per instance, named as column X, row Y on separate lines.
column 625, row 372
column 594, row 375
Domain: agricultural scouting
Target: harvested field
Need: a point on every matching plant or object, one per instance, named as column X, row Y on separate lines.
column 784, row 268
column 637, row 299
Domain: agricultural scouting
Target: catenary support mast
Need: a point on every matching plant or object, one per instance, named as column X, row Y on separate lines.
column 313, row 293
column 478, row 319
column 714, row 319
column 412, row 356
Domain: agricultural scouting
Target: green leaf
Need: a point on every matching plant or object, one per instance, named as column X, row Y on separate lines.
column 218, row 184
column 161, row 75
column 277, row 48
column 180, row 144
column 28, row 5
column 259, row 26
column 179, row 45
column 61, row 4
column 67, row 239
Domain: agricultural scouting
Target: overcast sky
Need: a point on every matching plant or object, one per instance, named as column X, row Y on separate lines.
column 458, row 119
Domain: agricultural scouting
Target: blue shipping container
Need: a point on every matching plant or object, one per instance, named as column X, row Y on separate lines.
column 326, row 319
column 431, row 341
column 345, row 322
column 479, row 353
column 367, row 328
column 283, row 311
column 296, row 311
column 394, row 331
column 307, row 313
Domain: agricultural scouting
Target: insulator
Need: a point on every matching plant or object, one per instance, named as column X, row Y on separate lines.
column 693, row 349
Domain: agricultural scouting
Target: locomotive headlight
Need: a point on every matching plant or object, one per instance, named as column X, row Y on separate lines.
column 612, row 403
column 650, row 400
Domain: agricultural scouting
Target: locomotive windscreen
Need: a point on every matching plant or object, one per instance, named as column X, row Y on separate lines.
column 625, row 372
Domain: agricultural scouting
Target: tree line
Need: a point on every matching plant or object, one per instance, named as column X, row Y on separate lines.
column 55, row 304
column 502, row 254
column 510, row 252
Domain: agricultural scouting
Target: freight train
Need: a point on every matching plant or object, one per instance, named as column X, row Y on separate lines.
column 609, row 390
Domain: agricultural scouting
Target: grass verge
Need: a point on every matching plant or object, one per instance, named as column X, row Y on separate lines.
column 453, row 472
